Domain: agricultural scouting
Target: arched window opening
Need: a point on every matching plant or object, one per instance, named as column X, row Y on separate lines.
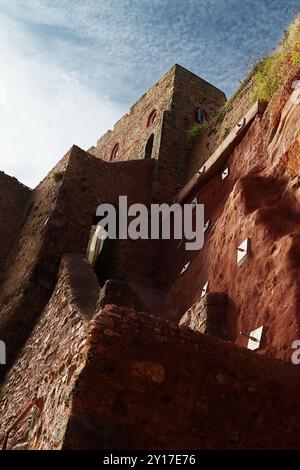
column 96, row 243
column 152, row 118
column 200, row 116
column 114, row 152
column 149, row 146
column 105, row 264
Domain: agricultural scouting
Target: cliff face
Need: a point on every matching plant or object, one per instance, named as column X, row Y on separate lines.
column 105, row 357
column 259, row 200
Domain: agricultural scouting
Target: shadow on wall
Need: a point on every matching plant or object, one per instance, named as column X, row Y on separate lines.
column 105, row 265
column 149, row 146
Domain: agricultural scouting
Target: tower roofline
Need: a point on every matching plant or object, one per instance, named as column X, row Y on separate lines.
column 179, row 68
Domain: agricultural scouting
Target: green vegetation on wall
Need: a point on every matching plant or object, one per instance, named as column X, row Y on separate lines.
column 273, row 70
column 56, row 176
column 225, row 133
column 197, row 130
column 261, row 83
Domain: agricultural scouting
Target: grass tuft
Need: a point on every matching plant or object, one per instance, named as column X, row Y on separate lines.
column 197, row 131
column 57, row 176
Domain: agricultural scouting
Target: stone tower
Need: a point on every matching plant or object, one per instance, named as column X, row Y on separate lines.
column 157, row 125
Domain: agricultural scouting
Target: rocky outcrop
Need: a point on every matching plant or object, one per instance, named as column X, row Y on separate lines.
column 208, row 316
column 258, row 201
column 122, row 294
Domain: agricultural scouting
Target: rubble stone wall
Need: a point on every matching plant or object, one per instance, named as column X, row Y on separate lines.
column 50, row 361
column 147, row 384
column 14, row 202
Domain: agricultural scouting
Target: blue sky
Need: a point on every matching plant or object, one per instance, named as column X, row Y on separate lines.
column 70, row 68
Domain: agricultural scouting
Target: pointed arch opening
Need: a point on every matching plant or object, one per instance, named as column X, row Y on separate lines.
column 201, row 116
column 115, row 152
column 152, row 118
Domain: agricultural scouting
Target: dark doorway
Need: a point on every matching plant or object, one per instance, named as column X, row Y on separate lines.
column 149, row 147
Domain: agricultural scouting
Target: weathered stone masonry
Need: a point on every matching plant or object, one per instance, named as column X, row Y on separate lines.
column 59, row 222
column 175, row 99
column 121, row 379
column 51, row 359
column 59, row 217
column 14, row 205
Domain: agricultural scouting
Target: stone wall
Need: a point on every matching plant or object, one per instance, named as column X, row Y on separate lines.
column 148, row 385
column 119, row 378
column 132, row 131
column 50, row 361
column 176, row 96
column 14, row 201
column 31, row 267
column 190, row 93
column 59, row 222
column 125, row 380
column 226, row 119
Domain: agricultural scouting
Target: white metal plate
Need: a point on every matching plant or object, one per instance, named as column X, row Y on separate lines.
column 242, row 251
column 194, row 203
column 185, row 267
column 255, row 338
column 206, row 225
column 201, row 171
column 97, row 243
column 240, row 125
column 204, row 289
column 225, row 173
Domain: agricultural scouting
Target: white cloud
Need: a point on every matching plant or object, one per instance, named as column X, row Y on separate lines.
column 44, row 107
